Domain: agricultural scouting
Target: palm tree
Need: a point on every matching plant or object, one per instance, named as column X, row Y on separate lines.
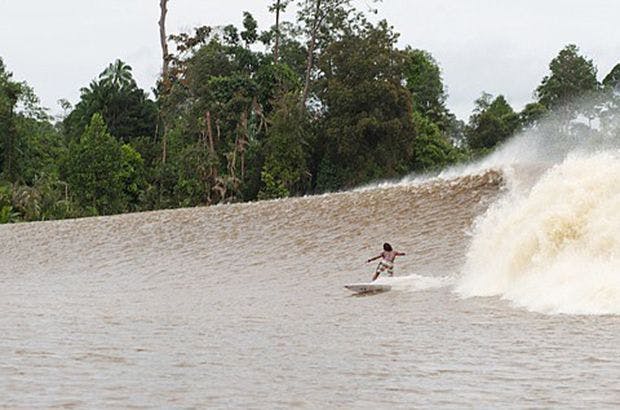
column 278, row 7
column 117, row 75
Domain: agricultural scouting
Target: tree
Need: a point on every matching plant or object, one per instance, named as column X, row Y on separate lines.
column 319, row 16
column 612, row 79
column 323, row 21
column 40, row 148
column 432, row 149
column 164, row 87
column 532, row 113
column 368, row 132
column 493, row 122
column 285, row 166
column 423, row 80
column 610, row 110
column 163, row 40
column 95, row 170
column 117, row 76
column 29, row 143
column 219, row 100
column 10, row 93
column 290, row 51
column 125, row 108
column 249, row 33
column 279, row 6
column 133, row 177
column 572, row 77
column 329, row 103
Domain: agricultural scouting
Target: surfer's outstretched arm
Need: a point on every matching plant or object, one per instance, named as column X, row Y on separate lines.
column 372, row 259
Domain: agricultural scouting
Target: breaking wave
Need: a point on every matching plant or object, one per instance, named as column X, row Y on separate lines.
column 554, row 248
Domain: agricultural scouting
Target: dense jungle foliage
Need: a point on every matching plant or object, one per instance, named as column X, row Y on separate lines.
column 323, row 103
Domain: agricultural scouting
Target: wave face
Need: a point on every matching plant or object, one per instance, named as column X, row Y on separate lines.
column 554, row 247
column 429, row 220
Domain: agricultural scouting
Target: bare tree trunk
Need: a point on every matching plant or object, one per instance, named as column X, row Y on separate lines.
column 243, row 142
column 163, row 40
column 210, row 134
column 212, row 153
column 232, row 159
column 310, row 60
column 165, row 66
column 213, row 169
column 277, row 47
column 258, row 110
column 219, row 130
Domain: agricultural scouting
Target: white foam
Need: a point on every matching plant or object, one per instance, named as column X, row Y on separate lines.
column 554, row 248
column 416, row 282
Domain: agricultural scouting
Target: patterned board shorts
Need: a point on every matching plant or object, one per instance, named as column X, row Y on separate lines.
column 385, row 266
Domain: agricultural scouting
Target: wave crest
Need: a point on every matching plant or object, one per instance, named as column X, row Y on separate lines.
column 555, row 248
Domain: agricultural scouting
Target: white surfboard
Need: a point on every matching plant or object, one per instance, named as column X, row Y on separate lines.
column 368, row 287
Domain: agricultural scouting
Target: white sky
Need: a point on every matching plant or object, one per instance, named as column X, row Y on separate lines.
column 497, row 46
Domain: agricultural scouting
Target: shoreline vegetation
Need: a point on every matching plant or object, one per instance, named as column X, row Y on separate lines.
column 325, row 102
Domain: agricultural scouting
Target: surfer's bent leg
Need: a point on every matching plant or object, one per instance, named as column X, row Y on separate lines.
column 378, row 271
column 390, row 269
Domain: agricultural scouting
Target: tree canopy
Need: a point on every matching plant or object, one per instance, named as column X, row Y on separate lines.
column 572, row 77
column 125, row 108
column 324, row 102
column 492, row 122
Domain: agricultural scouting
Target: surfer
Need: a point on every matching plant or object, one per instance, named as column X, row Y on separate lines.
column 387, row 262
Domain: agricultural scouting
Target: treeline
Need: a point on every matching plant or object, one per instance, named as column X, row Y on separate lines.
column 323, row 103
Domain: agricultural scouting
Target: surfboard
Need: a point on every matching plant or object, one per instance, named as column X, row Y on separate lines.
column 368, row 287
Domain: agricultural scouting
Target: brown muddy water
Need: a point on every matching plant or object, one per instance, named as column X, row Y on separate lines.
column 243, row 306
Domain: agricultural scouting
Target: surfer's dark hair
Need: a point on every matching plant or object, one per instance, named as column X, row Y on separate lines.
column 387, row 247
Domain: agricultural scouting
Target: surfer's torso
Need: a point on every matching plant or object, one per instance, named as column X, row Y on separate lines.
column 388, row 256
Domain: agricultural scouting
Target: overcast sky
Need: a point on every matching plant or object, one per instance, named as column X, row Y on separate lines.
column 497, row 46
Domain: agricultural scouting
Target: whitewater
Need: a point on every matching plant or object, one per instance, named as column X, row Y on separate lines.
column 556, row 248
column 509, row 296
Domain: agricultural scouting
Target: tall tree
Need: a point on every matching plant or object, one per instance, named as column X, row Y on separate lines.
column 285, row 169
column 317, row 20
column 368, row 127
column 163, row 40
column 322, row 22
column 217, row 98
column 423, row 80
column 249, row 33
column 572, row 77
column 165, row 70
column 94, row 170
column 24, row 128
column 279, row 6
column 10, row 92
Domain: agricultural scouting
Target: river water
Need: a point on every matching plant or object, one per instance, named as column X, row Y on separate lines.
column 243, row 305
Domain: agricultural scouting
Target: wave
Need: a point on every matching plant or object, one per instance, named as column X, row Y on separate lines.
column 554, row 248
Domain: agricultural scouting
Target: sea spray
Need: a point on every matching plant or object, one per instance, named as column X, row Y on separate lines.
column 533, row 150
column 554, row 248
